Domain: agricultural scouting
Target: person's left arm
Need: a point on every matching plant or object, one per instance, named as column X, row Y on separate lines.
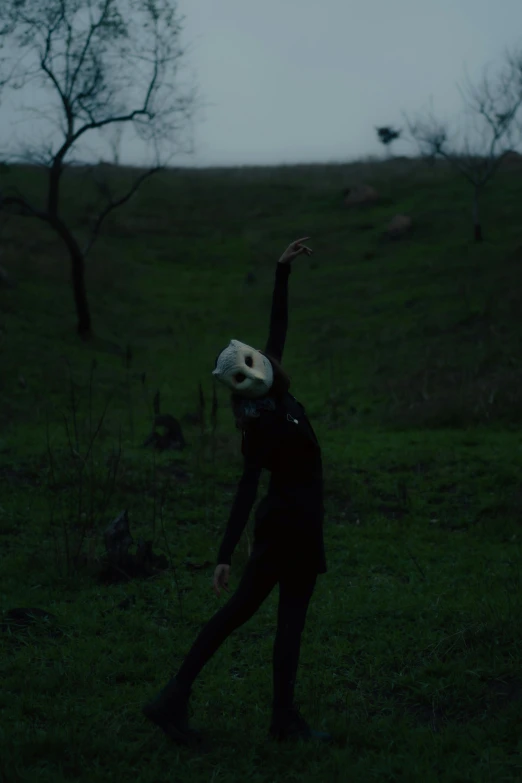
column 242, row 506
column 257, row 447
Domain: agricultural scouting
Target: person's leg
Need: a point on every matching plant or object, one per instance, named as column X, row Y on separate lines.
column 258, row 580
column 169, row 710
column 295, row 592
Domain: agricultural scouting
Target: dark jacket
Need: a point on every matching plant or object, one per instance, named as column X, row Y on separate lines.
column 290, row 517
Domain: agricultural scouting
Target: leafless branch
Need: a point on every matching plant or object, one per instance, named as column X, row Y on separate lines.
column 492, row 106
column 95, row 57
column 20, row 206
column 94, row 62
column 493, row 110
column 114, row 204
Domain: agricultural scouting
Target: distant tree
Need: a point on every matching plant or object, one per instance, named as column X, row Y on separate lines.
column 387, row 135
column 104, row 63
column 492, row 131
column 115, row 138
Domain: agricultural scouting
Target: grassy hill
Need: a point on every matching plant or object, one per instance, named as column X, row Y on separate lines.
column 406, row 356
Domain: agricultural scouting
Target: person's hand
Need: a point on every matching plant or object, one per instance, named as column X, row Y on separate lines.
column 295, row 249
column 221, row 575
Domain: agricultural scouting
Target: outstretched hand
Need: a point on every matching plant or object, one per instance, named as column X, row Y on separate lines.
column 295, row 249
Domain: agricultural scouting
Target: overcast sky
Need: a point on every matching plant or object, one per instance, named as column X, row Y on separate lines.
column 289, row 81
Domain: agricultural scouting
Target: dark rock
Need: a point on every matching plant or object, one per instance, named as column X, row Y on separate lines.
column 120, row 564
column 398, row 227
column 170, row 438
column 360, row 195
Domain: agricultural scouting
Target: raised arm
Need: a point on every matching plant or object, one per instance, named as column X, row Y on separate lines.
column 279, row 312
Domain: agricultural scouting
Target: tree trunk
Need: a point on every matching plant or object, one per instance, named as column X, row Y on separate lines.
column 77, row 257
column 77, row 278
column 80, row 295
column 55, row 173
column 477, row 226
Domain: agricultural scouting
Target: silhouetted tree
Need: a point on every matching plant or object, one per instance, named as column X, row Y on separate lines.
column 493, row 108
column 387, row 135
column 104, row 63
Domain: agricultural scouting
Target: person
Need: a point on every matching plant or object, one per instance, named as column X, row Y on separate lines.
column 288, row 543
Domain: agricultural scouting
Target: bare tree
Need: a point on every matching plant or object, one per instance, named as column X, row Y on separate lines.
column 104, row 63
column 492, row 130
column 115, row 138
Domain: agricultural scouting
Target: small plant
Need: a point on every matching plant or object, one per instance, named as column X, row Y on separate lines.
column 81, row 485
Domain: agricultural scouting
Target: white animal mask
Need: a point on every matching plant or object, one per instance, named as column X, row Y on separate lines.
column 244, row 370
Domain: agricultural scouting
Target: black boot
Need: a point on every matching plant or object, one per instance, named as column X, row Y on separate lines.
column 288, row 724
column 169, row 711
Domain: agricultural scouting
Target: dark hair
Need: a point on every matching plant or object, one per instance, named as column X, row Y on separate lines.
column 282, row 381
column 280, row 385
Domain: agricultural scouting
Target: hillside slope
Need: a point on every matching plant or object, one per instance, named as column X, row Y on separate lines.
column 422, row 331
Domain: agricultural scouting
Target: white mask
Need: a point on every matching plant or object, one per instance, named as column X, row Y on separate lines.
column 244, row 370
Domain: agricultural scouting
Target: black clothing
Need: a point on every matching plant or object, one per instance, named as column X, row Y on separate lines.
column 288, row 543
column 290, row 517
column 259, row 578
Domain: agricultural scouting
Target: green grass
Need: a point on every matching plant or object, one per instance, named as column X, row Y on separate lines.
column 408, row 363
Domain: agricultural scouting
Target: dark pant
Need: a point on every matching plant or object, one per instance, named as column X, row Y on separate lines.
column 261, row 574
